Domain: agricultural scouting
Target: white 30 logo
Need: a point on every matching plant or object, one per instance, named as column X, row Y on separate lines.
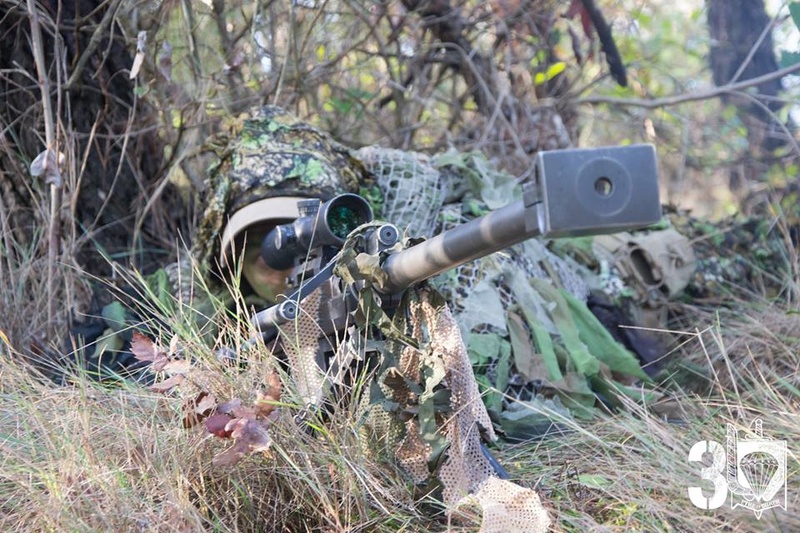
column 752, row 469
column 715, row 473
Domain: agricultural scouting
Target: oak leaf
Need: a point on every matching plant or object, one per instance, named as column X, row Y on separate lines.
column 144, row 349
column 198, row 408
column 250, row 436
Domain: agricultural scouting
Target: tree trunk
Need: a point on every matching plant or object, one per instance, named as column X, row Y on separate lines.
column 738, row 29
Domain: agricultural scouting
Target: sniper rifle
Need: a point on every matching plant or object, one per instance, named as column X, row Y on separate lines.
column 574, row 192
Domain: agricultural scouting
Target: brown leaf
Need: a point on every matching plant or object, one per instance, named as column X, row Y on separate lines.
column 231, row 456
column 245, row 411
column 217, row 425
column 168, row 384
column 251, row 436
column 198, row 409
column 274, row 383
column 236, row 409
column 144, row 349
column 206, row 403
column 229, row 406
column 178, row 366
column 174, row 346
column 252, row 432
column 266, row 402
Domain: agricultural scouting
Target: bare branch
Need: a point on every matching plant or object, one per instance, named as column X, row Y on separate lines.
column 53, row 232
column 668, row 101
column 756, row 46
column 99, row 33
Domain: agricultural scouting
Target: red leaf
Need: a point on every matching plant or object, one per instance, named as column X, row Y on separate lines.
column 146, row 350
column 217, row 424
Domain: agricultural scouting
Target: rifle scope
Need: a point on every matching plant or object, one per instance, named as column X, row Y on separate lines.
column 327, row 224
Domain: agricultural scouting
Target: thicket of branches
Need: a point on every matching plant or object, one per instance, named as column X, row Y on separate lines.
column 121, row 97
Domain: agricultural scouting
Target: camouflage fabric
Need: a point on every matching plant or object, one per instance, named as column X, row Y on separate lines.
column 531, row 338
column 739, row 256
column 264, row 154
column 423, row 407
column 271, row 153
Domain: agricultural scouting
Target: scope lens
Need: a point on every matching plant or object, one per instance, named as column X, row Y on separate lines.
column 342, row 219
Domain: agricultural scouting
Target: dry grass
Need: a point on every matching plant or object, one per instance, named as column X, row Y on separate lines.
column 83, row 457
column 630, row 471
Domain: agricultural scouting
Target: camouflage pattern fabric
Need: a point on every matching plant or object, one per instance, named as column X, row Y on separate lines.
column 271, row 153
column 531, row 338
column 424, row 408
column 264, row 154
column 739, row 256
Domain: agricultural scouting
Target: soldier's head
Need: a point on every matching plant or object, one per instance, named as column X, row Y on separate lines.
column 266, row 166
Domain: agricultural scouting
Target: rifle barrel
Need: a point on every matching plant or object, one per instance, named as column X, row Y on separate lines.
column 490, row 233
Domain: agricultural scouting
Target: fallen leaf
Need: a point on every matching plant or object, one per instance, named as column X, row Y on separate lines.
column 168, row 384
column 144, row 349
column 178, row 366
column 198, row 409
column 251, row 436
column 236, row 409
column 267, row 402
column 217, row 425
column 231, row 456
column 229, row 406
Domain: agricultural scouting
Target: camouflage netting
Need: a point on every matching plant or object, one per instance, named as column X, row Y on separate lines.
column 424, row 407
column 534, row 344
column 270, row 153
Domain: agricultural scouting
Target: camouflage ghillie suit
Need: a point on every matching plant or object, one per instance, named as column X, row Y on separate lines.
column 525, row 312
column 532, row 340
column 423, row 409
column 270, row 154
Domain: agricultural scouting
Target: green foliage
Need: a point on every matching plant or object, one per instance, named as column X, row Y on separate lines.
column 794, row 11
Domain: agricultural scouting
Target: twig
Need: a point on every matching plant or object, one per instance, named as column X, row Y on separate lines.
column 756, row 46
column 99, row 33
column 779, row 122
column 689, row 97
column 50, row 139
